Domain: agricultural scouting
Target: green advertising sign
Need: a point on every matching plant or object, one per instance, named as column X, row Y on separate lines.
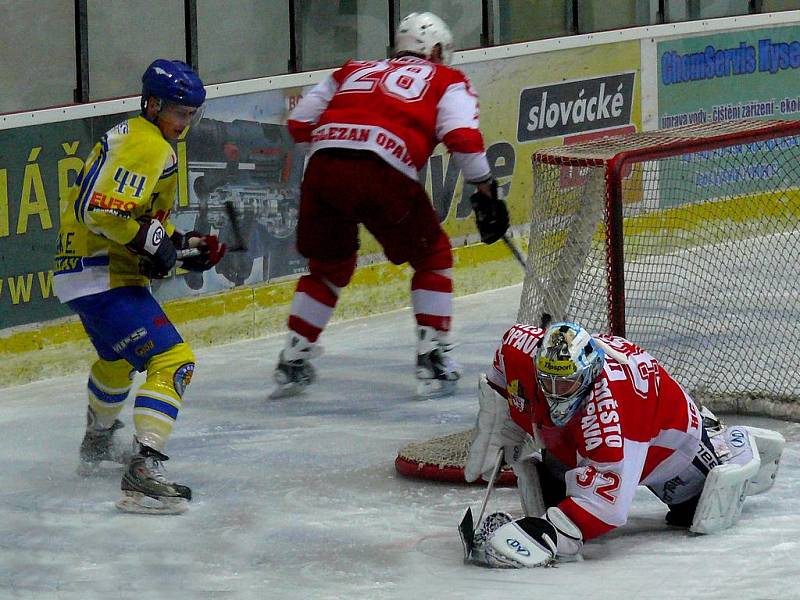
column 38, row 164
column 726, row 77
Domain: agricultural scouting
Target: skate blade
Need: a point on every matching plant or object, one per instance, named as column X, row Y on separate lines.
column 138, row 503
column 286, row 390
column 431, row 389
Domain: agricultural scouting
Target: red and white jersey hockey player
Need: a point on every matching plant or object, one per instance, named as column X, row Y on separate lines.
column 604, row 417
column 370, row 127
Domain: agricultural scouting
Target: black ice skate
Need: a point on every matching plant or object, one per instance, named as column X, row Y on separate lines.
column 146, row 489
column 102, row 452
column 294, row 372
column 436, row 371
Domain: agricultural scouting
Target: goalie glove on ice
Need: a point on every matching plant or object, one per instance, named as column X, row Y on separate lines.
column 532, row 541
column 491, row 214
column 211, row 251
column 157, row 252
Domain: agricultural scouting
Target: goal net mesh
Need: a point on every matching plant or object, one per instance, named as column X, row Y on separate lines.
column 707, row 250
column 686, row 241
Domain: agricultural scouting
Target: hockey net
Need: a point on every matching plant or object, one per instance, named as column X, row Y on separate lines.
column 683, row 240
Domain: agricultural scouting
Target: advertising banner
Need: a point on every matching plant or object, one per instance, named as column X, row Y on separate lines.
column 241, row 152
column 730, row 76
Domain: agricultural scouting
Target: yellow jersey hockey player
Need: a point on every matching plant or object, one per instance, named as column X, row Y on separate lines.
column 115, row 236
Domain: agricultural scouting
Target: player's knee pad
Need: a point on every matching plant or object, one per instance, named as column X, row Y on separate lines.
column 338, row 273
column 172, row 371
column 108, row 387
column 438, row 257
column 160, row 397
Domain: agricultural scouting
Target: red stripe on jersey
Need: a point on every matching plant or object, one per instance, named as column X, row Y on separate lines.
column 435, row 282
column 300, row 131
column 590, row 526
column 464, row 140
column 317, row 290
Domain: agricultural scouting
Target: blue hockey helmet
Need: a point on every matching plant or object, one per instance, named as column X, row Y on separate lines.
column 172, row 81
column 567, row 363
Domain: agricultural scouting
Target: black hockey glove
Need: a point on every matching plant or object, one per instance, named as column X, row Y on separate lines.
column 211, row 251
column 491, row 215
column 156, row 250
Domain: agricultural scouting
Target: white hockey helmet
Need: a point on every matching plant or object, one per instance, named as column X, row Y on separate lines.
column 567, row 363
column 421, row 32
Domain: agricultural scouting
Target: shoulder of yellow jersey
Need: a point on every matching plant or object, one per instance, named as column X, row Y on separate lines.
column 139, row 144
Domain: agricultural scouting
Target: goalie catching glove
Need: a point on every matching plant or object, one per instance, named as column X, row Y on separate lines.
column 211, row 251
column 503, row 542
column 491, row 214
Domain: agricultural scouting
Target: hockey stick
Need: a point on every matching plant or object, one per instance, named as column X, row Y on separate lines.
column 238, row 244
column 466, row 528
column 514, row 250
column 238, row 239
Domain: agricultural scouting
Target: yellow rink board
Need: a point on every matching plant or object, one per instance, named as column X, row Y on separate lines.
column 60, row 346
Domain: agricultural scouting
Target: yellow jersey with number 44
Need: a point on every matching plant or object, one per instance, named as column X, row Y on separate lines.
column 132, row 172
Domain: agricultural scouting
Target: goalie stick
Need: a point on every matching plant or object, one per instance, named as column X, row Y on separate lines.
column 466, row 528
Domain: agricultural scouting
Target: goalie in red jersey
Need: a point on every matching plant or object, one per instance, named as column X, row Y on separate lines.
column 584, row 420
column 370, row 127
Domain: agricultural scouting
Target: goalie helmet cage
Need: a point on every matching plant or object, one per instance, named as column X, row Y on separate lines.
column 685, row 241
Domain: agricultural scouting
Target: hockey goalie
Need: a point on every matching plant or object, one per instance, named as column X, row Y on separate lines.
column 585, row 419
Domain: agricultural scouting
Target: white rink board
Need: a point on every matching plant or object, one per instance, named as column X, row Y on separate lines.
column 298, row 498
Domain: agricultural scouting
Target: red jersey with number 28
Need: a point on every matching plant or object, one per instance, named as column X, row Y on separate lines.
column 399, row 109
column 638, row 426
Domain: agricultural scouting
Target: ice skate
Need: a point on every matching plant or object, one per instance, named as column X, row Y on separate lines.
column 102, row 452
column 146, row 489
column 294, row 371
column 437, row 373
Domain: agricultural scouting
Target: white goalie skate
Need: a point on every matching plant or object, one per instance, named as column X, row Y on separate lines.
column 437, row 373
column 294, row 371
column 146, row 489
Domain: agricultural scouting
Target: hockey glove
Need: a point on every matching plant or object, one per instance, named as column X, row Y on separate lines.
column 156, row 250
column 532, row 541
column 526, row 542
column 211, row 251
column 491, row 214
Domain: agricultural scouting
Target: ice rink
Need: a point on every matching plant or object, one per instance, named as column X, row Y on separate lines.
column 298, row 498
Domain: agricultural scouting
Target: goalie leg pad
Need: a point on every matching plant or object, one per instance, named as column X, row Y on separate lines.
column 724, row 491
column 495, row 430
column 770, row 448
column 529, row 487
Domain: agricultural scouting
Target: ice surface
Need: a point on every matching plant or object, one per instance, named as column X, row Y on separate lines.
column 298, row 498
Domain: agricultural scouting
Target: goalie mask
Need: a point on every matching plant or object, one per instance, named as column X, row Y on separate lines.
column 567, row 363
column 421, row 32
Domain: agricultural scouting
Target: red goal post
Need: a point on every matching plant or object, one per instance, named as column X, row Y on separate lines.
column 684, row 240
